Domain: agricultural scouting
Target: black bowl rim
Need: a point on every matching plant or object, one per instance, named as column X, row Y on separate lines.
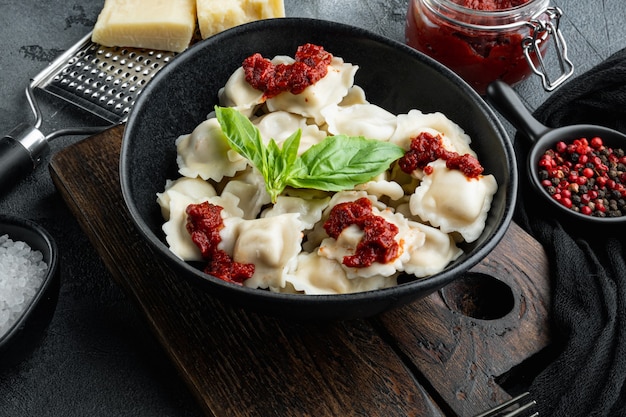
column 52, row 259
column 431, row 283
column 569, row 133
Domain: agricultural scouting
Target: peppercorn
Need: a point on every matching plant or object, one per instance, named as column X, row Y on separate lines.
column 586, row 176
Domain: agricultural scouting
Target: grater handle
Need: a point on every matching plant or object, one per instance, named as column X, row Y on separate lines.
column 21, row 152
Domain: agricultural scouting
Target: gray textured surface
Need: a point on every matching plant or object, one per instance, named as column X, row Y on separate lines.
column 99, row 358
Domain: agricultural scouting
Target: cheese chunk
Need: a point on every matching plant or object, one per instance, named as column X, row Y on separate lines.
column 164, row 25
column 217, row 15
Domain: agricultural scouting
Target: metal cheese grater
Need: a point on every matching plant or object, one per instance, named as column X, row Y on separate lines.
column 104, row 81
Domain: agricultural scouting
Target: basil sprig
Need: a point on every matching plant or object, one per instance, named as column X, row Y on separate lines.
column 337, row 163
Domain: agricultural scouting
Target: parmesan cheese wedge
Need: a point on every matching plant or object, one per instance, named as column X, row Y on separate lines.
column 164, row 25
column 215, row 16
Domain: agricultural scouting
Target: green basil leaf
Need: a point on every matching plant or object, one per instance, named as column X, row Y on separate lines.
column 274, row 163
column 242, row 136
column 290, row 148
column 341, row 162
column 337, row 163
column 275, row 167
column 274, row 156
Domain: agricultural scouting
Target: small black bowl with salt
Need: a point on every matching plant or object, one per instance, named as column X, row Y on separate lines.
column 29, row 285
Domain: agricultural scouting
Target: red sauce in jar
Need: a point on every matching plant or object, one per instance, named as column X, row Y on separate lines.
column 491, row 5
column 478, row 56
column 311, row 65
column 378, row 243
column 204, row 223
column 426, row 148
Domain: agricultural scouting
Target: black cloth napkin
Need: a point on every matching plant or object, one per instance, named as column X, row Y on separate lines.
column 587, row 268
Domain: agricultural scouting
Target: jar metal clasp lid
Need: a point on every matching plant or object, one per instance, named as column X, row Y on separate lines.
column 543, row 30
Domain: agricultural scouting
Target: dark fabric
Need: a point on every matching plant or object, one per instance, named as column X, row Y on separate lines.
column 588, row 267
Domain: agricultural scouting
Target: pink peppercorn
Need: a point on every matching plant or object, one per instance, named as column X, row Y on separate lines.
column 567, row 202
column 585, row 198
column 596, row 143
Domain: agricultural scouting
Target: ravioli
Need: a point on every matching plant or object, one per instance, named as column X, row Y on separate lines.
column 452, row 202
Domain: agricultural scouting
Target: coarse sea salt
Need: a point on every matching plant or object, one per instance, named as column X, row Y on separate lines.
column 22, row 271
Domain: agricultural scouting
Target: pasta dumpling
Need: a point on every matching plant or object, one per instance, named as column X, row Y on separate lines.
column 176, row 235
column 449, row 200
column 414, row 122
column 316, row 274
column 329, row 90
column 272, row 245
column 249, row 188
column 381, row 188
column 408, row 240
column 280, row 125
column 205, row 153
column 356, row 95
column 310, row 210
column 237, row 93
column 367, row 120
column 195, row 188
column 175, row 229
column 438, row 250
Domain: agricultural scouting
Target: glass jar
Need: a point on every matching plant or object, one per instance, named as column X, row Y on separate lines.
column 486, row 45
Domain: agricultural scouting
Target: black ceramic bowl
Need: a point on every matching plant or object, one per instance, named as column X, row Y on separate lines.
column 393, row 76
column 23, row 335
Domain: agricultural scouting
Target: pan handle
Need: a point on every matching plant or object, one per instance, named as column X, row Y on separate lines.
column 21, row 152
column 501, row 96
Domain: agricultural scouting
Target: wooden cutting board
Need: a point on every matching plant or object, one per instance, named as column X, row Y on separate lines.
column 454, row 353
